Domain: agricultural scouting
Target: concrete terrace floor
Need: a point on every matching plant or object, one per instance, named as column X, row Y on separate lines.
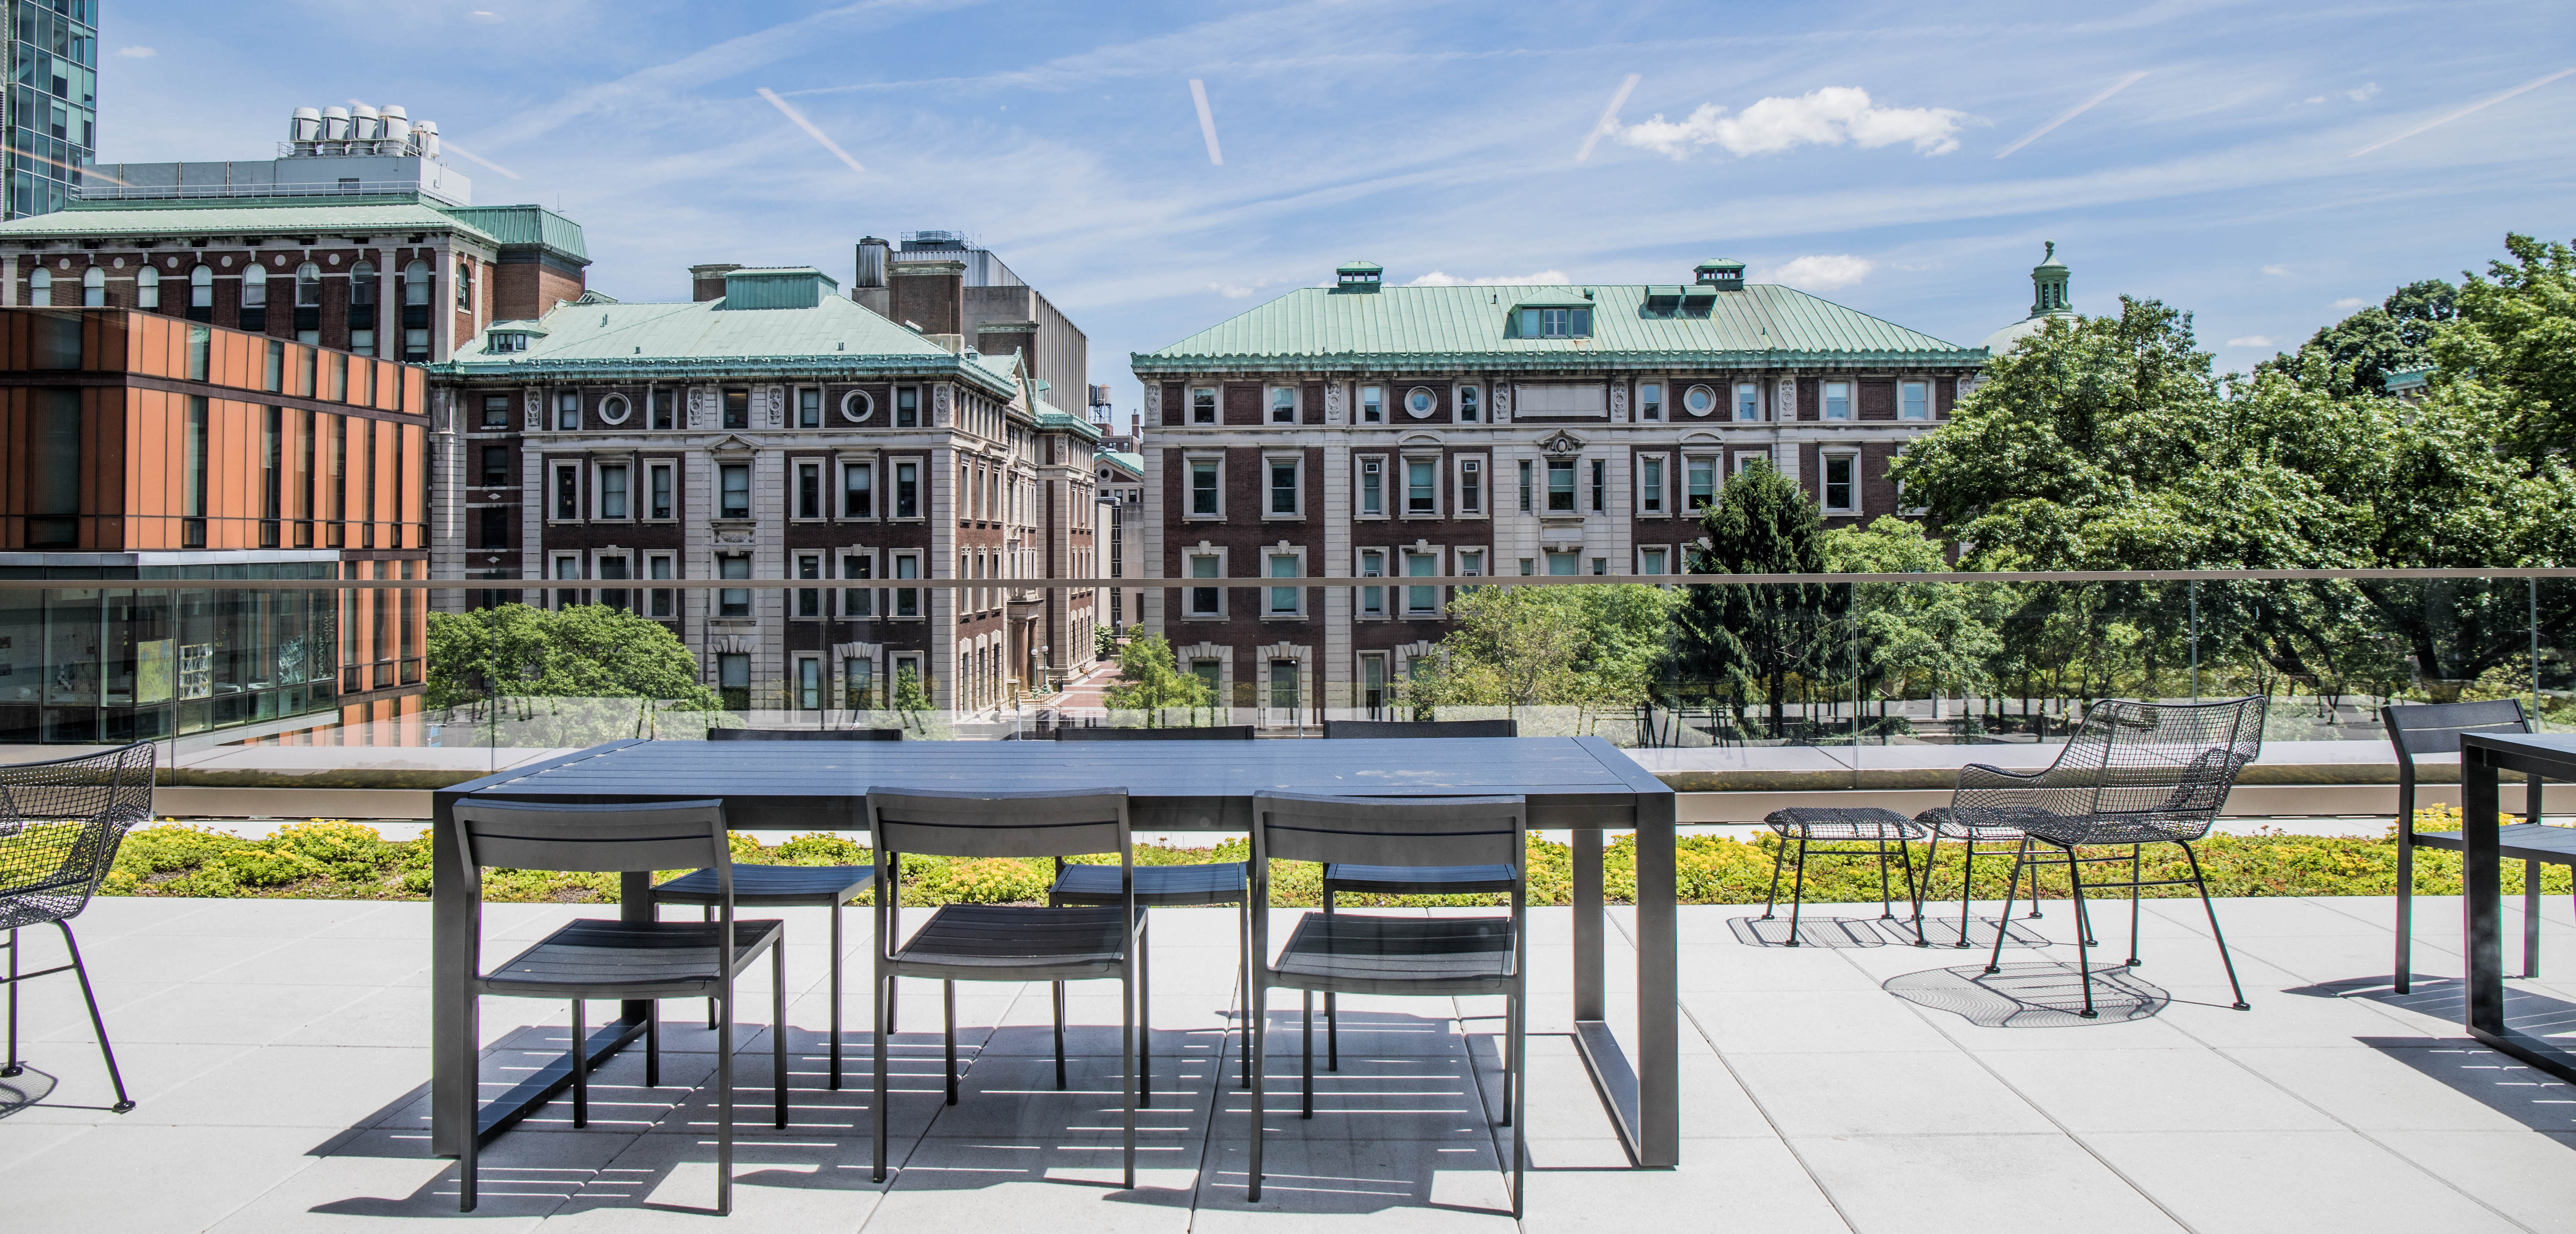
column 278, row 1050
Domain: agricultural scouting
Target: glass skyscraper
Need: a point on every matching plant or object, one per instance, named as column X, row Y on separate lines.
column 52, row 115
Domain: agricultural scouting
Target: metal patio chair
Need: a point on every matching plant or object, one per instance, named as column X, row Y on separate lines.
column 596, row 958
column 804, row 734
column 1405, row 881
column 2436, row 728
column 2132, row 774
column 1810, row 826
column 1005, row 942
column 1363, row 954
column 1970, row 830
column 1205, row 884
column 61, row 822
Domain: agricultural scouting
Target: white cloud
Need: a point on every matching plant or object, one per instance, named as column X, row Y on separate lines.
column 1823, row 271
column 485, row 16
column 1827, row 117
column 137, row 52
column 2276, row 269
column 2348, row 303
column 1232, row 291
column 2250, row 340
column 2367, row 91
column 1439, row 279
column 2314, row 98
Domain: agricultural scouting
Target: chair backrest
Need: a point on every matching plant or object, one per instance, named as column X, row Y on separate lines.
column 675, row 835
column 1051, row 823
column 1345, row 729
column 2163, row 758
column 1395, row 831
column 804, row 734
column 1227, row 732
column 2436, row 728
column 61, row 822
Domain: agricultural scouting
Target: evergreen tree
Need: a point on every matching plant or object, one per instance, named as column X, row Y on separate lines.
column 1759, row 639
column 1150, row 680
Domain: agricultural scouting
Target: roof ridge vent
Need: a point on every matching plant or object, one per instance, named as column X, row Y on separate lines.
column 1358, row 276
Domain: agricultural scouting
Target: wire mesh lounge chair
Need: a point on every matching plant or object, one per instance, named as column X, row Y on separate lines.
column 2436, row 728
column 1865, row 831
column 1005, row 942
column 61, row 822
column 1366, row 954
column 2132, row 774
column 592, row 958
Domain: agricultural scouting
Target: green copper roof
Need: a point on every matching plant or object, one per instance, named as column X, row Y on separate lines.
column 662, row 341
column 525, row 225
column 336, row 216
column 1054, row 417
column 1315, row 328
column 1134, row 464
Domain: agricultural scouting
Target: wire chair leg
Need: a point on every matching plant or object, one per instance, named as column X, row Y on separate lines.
column 580, row 1067
column 96, row 1023
column 1798, row 890
column 1771, row 898
column 2202, row 882
column 1306, row 1098
column 2034, row 883
column 1923, row 891
column 2003, row 923
column 9, row 1064
column 1967, row 885
column 2530, row 917
column 948, row 1032
column 778, row 1027
column 1059, row 1036
column 1886, row 907
column 2083, row 932
column 1905, row 853
column 2136, row 852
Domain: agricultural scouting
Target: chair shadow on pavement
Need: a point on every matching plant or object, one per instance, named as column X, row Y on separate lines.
column 2033, row 995
column 2501, row 1083
column 28, row 1087
column 1812, row 931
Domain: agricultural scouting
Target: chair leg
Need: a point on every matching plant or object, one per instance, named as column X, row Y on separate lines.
column 653, row 1043
column 1905, row 854
column 1059, row 1036
column 2530, row 917
column 882, row 1010
column 1516, row 1083
column 724, row 1105
column 2136, row 851
column 580, row 1068
column 2003, row 923
column 1245, row 970
column 2402, row 978
column 1144, row 1015
column 778, row 1028
column 1798, row 890
column 1131, row 1056
column 1306, row 1099
column 2034, row 885
column 948, row 1032
column 1967, row 884
column 2202, row 882
column 2083, row 932
column 1771, row 898
column 1260, row 1071
column 1886, row 906
column 97, row 1024
column 9, row 1064
column 710, row 914
column 1332, row 1017
column 469, row 1127
column 836, row 995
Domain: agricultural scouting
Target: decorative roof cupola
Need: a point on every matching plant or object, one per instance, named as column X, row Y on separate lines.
column 1358, row 276
column 1724, row 275
column 2048, row 298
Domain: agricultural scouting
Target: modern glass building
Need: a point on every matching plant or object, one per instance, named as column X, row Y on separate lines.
column 52, row 117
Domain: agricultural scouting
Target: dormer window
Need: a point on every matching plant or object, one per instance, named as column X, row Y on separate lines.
column 501, row 341
column 1556, row 323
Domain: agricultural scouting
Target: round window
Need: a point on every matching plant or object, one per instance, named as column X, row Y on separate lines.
column 1420, row 402
column 613, row 409
column 857, row 406
column 1699, row 400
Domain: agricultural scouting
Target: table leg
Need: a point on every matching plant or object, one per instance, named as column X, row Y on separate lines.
column 1658, row 987
column 1588, row 977
column 2481, row 871
column 451, row 1014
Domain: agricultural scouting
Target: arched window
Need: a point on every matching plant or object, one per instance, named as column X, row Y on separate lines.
column 40, row 287
column 94, row 287
column 201, row 286
column 308, row 286
column 255, row 287
column 147, row 288
column 362, row 285
column 464, row 286
column 415, row 279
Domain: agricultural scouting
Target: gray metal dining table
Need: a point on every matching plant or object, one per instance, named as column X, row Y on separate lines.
column 1579, row 784
column 2482, row 755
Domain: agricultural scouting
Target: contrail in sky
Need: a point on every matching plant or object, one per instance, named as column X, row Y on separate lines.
column 798, row 118
column 1609, row 119
column 2533, row 84
column 1207, row 122
column 2072, row 112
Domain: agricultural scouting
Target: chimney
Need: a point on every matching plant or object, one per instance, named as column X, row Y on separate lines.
column 931, row 292
column 707, row 282
column 868, row 281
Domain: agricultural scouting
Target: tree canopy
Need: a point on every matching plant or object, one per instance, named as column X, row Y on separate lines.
column 582, row 651
column 1760, row 640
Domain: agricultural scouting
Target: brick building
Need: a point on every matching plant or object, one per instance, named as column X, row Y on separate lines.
column 773, row 428
column 137, row 447
column 1360, row 430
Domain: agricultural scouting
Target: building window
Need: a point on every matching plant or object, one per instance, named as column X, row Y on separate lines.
column 1372, row 599
column 201, row 287
column 733, row 601
column 809, row 683
column 1748, row 401
column 567, row 492
column 1699, row 482
column 907, row 490
column 1471, row 486
column 567, row 566
column 733, row 680
column 1556, row 323
column 659, row 600
column 907, row 407
column 274, row 379
column 737, row 408
column 1206, row 601
column 1525, row 486
column 1600, row 565
column 1284, row 601
column 1526, row 569
column 1372, row 404
column 1560, row 486
column 1471, row 407
column 858, row 683
column 1372, row 488
column 809, row 490
column 1373, row 682
column 254, row 287
column 612, row 490
column 1420, row 402
column 1283, row 685
column 1841, row 494
column 94, row 287
column 859, row 602
column 613, row 409
column 1699, row 400
column 1203, row 405
column 1600, row 485
column 1421, row 601
column 1471, row 561
column 1564, row 564
column 1283, row 405
column 1914, row 400
column 809, row 409
column 1747, row 459
column 1203, row 489
column 308, row 286
column 1650, row 400
column 907, row 600
column 1651, row 560
column 1838, row 400
column 40, row 287
column 858, row 490
column 1421, row 488
column 659, row 490
column 666, row 415
column 567, row 412
column 1650, row 485
column 734, row 490
column 809, row 600
column 612, row 566
column 1283, row 487
column 856, row 406
column 464, row 286
column 147, row 288
column 496, row 466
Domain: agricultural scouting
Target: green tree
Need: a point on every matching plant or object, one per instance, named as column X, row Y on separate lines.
column 1759, row 639
column 2516, row 336
column 584, row 651
column 1151, row 680
column 1918, row 640
column 1523, row 647
column 2360, row 351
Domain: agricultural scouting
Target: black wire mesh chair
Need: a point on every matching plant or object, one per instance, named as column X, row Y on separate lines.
column 804, row 734
column 1384, row 880
column 2132, row 774
column 1005, row 942
column 1365, row 954
column 2436, row 728
column 61, row 822
column 1864, row 831
column 1988, row 828
column 592, row 958
column 1206, row 884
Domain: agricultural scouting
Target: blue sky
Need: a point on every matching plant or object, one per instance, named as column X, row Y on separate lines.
column 1848, row 148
